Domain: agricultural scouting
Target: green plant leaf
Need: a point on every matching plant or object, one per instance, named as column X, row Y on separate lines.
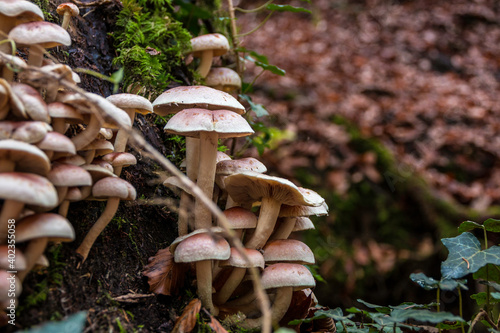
column 257, row 108
column 424, row 281
column 468, row 226
column 336, row 314
column 287, row 8
column 496, row 295
column 489, row 272
column 74, row 323
column 423, row 315
column 481, row 298
column 492, row 225
column 465, row 256
column 261, row 61
column 378, row 308
column 495, row 285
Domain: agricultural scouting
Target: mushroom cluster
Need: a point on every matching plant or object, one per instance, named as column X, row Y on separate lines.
column 44, row 166
column 204, row 115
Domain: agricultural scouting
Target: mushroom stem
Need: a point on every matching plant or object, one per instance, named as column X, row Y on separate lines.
column 66, row 18
column 231, row 284
column 63, row 208
column 32, row 252
column 59, row 125
column 35, row 58
column 206, row 176
column 123, row 135
column 285, row 229
column 61, row 193
column 88, row 134
column 242, row 300
column 10, row 211
column 98, row 227
column 204, row 282
column 278, row 310
column 205, row 62
column 268, row 215
column 192, row 163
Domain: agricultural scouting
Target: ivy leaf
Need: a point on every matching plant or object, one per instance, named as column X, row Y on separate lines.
column 489, row 272
column 411, row 305
column 420, row 315
column 74, row 323
column 496, row 295
column 336, row 314
column 424, row 281
column 466, row 256
column 261, row 61
column 257, row 108
column 492, row 225
column 468, row 226
column 287, row 8
column 378, row 308
column 481, row 298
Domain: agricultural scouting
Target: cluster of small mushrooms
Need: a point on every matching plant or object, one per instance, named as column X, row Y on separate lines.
column 44, row 167
column 204, row 115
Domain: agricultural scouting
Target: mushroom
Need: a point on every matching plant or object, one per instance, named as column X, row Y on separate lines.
column 238, row 273
column 288, row 250
column 39, row 229
column 63, row 115
column 224, row 79
column 26, row 131
column 34, row 105
column 56, row 145
column 120, row 160
column 288, row 225
column 23, row 157
column 64, row 176
column 206, row 47
column 37, row 36
column 286, row 278
column 114, row 189
column 201, row 249
column 272, row 192
column 67, row 10
column 209, row 126
column 14, row 12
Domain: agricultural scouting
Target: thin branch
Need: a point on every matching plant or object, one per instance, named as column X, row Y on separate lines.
column 260, row 25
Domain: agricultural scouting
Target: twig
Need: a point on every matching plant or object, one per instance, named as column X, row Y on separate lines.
column 257, row 27
column 254, row 10
column 477, row 318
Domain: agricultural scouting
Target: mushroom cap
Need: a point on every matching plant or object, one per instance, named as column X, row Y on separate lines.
column 50, row 225
column 187, row 97
column 237, row 260
column 28, row 188
column 58, row 142
column 222, row 157
column 131, row 101
column 180, row 239
column 34, row 105
column 249, row 187
column 113, row 187
column 68, row 175
column 28, row 158
column 120, row 159
column 288, row 250
column 24, row 10
column 106, row 133
column 42, row 33
column 229, row 167
column 18, row 260
column 287, row 275
column 296, row 211
column 190, row 122
column 114, row 117
column 61, row 110
column 223, row 78
column 240, row 218
column 303, row 223
column 98, row 172
column 26, row 131
column 74, row 194
column 175, row 184
column 101, row 147
column 218, row 43
column 74, row 160
column 68, row 7
column 203, row 246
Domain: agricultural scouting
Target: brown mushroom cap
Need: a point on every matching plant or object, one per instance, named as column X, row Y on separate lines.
column 98, row 172
column 187, row 97
column 240, row 218
column 224, row 79
column 7, row 258
column 130, row 101
column 203, row 246
column 100, row 146
column 190, row 122
column 229, row 167
column 24, row 10
column 57, row 142
column 27, row 158
column 296, row 211
column 113, row 187
column 287, row 275
column 28, row 188
column 69, row 175
column 26, row 131
column 288, row 250
column 68, row 7
column 303, row 223
column 45, row 34
column 34, row 105
column 120, row 159
column 216, row 42
column 65, row 111
column 236, row 259
column 50, row 225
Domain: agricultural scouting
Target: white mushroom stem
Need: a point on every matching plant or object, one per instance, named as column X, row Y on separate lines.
column 268, row 215
column 230, row 286
column 192, row 163
column 204, row 282
column 285, row 228
column 123, row 135
column 94, row 232
column 11, row 210
column 278, row 310
column 59, row 125
column 35, row 57
column 33, row 251
column 66, row 19
column 205, row 62
column 88, row 134
column 63, row 208
column 61, row 193
column 206, row 176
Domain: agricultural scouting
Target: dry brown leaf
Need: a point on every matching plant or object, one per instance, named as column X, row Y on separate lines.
column 187, row 320
column 216, row 326
column 164, row 275
column 299, row 307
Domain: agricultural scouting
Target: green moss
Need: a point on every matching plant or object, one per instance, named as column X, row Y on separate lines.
column 150, row 45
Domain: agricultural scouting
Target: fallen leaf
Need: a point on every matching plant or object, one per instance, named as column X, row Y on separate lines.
column 187, row 320
column 165, row 276
column 216, row 325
